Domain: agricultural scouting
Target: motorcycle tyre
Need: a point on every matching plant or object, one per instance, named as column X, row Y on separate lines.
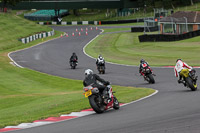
column 103, row 72
column 94, row 105
column 73, row 67
column 115, row 103
column 151, row 79
column 190, row 84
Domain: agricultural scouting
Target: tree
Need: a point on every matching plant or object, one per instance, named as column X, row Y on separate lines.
column 5, row 3
column 191, row 2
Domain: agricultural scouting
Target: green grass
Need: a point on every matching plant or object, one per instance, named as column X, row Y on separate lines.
column 26, row 95
column 120, row 29
column 115, row 49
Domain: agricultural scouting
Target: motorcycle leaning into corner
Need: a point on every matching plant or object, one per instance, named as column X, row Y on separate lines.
column 96, row 99
column 148, row 75
column 189, row 79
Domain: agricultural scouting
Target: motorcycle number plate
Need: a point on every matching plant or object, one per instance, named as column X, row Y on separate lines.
column 88, row 93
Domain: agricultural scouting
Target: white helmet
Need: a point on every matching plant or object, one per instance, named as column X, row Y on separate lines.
column 88, row 71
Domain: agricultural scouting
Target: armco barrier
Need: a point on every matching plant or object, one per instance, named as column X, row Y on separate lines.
column 69, row 23
column 123, row 21
column 36, row 36
column 147, row 29
column 167, row 38
column 95, row 22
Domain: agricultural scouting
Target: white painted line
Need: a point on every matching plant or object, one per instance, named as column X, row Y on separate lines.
column 156, row 91
column 28, row 125
column 78, row 114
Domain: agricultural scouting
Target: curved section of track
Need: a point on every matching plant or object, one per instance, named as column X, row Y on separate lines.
column 175, row 109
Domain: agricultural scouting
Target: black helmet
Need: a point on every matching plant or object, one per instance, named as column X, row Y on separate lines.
column 178, row 60
column 142, row 60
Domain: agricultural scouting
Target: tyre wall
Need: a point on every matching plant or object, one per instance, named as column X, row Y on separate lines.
column 167, row 38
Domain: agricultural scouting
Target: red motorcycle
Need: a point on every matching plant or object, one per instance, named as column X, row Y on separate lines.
column 147, row 74
column 97, row 101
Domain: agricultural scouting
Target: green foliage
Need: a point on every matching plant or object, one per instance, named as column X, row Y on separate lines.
column 10, row 2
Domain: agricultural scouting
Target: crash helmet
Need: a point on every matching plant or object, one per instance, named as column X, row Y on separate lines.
column 100, row 56
column 88, row 72
column 142, row 61
column 178, row 60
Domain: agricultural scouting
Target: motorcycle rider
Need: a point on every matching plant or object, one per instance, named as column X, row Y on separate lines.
column 180, row 65
column 100, row 62
column 73, row 58
column 93, row 80
column 144, row 64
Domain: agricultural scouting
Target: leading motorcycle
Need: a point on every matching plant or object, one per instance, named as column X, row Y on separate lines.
column 189, row 79
column 148, row 75
column 97, row 101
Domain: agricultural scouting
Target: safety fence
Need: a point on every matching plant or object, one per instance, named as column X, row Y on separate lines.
column 146, row 29
column 70, row 23
column 168, row 37
column 36, row 36
column 92, row 22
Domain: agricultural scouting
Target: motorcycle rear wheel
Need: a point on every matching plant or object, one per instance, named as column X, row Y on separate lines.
column 191, row 84
column 97, row 107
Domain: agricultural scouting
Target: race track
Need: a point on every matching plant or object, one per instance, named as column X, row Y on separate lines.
column 174, row 109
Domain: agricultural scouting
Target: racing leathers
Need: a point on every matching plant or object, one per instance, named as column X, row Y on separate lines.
column 100, row 62
column 73, row 58
column 180, row 65
column 95, row 81
column 142, row 66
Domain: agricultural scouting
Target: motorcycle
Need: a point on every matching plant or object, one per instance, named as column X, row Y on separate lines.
column 101, row 68
column 189, row 79
column 97, row 101
column 148, row 75
column 73, row 64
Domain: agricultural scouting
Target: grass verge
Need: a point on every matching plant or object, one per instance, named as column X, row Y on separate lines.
column 27, row 95
column 125, row 48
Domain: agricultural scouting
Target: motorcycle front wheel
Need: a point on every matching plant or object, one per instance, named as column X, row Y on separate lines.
column 151, row 79
column 115, row 103
column 96, row 105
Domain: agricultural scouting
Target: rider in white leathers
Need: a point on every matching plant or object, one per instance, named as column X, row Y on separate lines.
column 180, row 65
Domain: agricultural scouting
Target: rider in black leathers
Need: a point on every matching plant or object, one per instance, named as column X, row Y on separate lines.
column 73, row 58
column 93, row 79
column 144, row 64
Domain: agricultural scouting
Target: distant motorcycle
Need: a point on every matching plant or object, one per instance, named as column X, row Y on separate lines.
column 189, row 79
column 73, row 64
column 101, row 68
column 148, row 75
column 96, row 99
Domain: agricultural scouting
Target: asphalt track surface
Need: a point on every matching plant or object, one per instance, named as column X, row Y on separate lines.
column 174, row 109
